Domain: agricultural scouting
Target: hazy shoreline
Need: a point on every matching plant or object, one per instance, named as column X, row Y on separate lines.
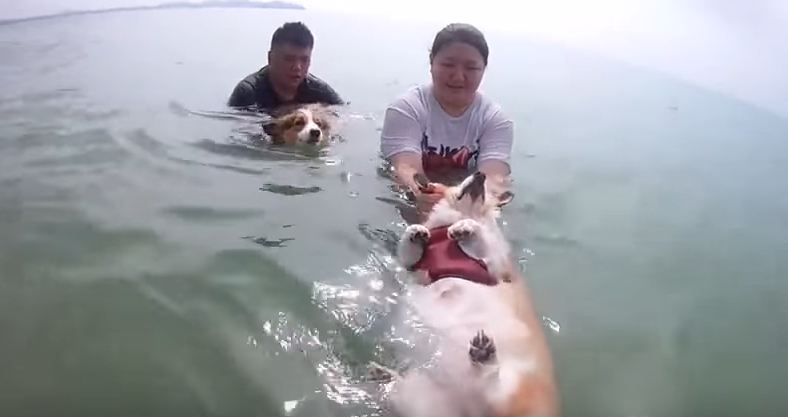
column 212, row 4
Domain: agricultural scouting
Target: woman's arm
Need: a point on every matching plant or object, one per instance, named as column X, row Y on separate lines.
column 400, row 143
column 498, row 175
column 406, row 165
column 495, row 149
column 400, row 140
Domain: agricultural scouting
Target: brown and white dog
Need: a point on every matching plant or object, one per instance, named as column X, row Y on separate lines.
column 307, row 124
column 492, row 358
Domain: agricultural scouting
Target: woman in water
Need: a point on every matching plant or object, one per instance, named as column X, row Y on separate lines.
column 448, row 124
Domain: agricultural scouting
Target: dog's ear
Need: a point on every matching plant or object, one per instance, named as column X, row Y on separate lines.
column 273, row 129
column 505, row 198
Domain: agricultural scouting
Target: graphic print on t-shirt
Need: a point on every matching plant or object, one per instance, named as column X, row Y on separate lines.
column 444, row 157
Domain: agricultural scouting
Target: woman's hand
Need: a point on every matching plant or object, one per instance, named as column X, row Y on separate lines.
column 498, row 176
column 428, row 195
column 409, row 173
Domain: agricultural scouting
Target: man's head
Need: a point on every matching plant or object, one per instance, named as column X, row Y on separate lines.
column 290, row 54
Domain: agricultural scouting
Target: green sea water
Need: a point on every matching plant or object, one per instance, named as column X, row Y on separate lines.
column 157, row 259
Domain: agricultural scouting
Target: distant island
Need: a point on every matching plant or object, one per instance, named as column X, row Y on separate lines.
column 224, row 4
column 246, row 4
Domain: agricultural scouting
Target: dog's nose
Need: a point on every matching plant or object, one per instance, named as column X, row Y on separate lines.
column 314, row 134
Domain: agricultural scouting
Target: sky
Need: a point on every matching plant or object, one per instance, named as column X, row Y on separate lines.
column 737, row 47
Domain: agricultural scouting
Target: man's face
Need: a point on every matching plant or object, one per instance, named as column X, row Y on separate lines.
column 288, row 64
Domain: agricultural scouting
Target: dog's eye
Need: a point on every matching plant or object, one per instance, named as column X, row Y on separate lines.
column 320, row 123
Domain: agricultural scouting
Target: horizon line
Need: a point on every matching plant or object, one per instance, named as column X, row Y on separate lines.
column 230, row 4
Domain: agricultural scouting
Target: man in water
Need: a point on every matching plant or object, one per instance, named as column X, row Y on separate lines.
column 286, row 78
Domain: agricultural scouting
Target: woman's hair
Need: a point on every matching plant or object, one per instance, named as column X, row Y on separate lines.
column 460, row 32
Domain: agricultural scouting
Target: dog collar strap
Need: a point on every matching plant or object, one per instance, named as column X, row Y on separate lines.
column 444, row 258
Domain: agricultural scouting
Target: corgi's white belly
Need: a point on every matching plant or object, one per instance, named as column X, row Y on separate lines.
column 456, row 309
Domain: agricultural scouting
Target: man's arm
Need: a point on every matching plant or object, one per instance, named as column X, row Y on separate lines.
column 321, row 92
column 242, row 95
column 332, row 97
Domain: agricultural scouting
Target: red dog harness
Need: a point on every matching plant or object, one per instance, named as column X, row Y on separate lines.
column 444, row 258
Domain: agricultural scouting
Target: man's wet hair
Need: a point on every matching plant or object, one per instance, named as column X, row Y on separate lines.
column 294, row 33
column 460, row 32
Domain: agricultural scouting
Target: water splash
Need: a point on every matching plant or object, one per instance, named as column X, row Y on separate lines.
column 291, row 405
column 524, row 258
column 323, row 351
column 551, row 324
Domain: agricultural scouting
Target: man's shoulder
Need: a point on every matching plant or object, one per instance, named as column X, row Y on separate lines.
column 247, row 90
column 316, row 83
column 319, row 90
column 256, row 78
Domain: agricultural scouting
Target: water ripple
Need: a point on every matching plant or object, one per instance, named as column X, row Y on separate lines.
column 289, row 190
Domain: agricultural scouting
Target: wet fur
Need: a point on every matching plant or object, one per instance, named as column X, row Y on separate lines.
column 485, row 366
column 293, row 125
column 472, row 222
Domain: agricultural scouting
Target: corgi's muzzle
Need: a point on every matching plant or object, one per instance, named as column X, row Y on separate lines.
column 475, row 187
column 314, row 135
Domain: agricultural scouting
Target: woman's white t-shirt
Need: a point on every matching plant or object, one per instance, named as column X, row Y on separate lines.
column 415, row 122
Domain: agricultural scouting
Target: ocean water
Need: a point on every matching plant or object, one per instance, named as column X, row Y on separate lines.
column 157, row 259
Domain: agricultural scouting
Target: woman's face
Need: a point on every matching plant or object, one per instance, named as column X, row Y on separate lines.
column 457, row 71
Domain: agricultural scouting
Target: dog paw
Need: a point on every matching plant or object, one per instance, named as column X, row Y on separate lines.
column 463, row 229
column 411, row 245
column 418, row 234
column 482, row 348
